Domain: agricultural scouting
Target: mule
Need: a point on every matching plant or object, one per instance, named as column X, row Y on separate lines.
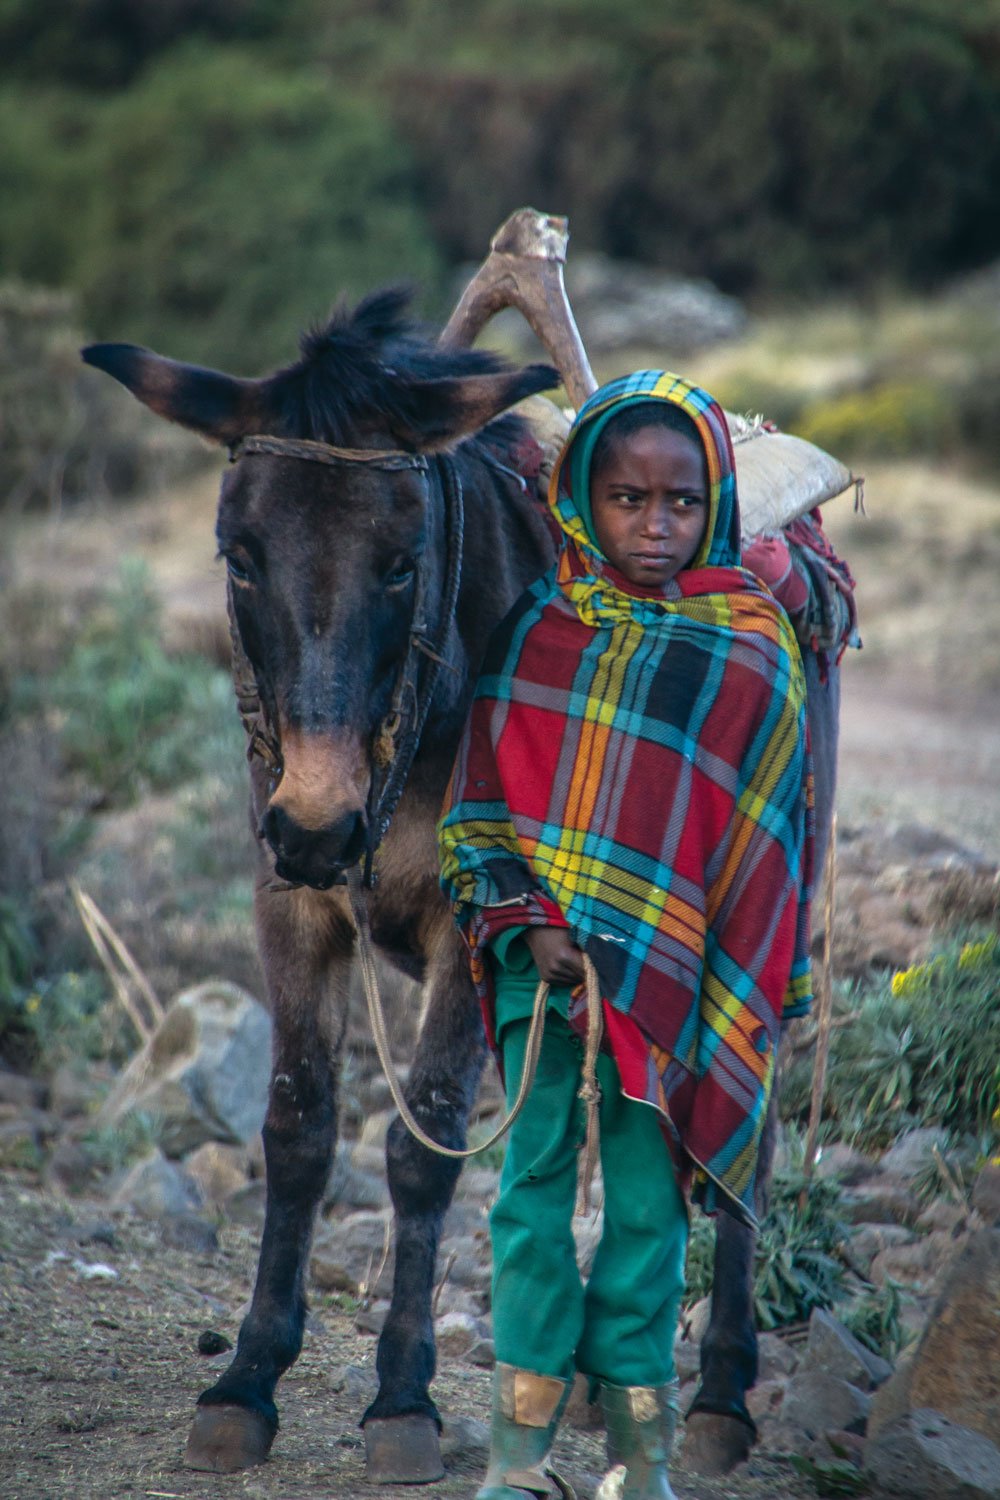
column 342, row 533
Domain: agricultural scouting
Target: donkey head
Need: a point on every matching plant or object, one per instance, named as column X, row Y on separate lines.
column 323, row 558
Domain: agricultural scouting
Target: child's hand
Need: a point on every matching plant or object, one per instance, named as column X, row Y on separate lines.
column 557, row 958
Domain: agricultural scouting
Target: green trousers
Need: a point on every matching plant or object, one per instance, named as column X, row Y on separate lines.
column 620, row 1327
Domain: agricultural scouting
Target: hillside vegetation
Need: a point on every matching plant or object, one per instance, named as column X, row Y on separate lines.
column 207, row 176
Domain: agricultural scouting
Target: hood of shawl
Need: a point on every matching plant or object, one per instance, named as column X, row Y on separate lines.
column 720, row 546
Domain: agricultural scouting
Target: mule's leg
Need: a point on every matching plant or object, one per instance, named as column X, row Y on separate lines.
column 720, row 1430
column 401, row 1425
column 305, row 945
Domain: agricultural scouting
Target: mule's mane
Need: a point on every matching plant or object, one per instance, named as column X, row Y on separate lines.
column 358, row 368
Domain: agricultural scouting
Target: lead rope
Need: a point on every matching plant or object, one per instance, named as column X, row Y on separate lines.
column 589, row 1092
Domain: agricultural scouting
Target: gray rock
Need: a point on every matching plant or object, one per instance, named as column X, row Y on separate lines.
column 347, row 1255
column 218, row 1170
column 844, row 1163
column 919, row 1265
column 352, row 1187
column 247, row 1204
column 880, row 1200
column 358, row 1382
column 776, row 1357
column 943, row 1214
column 869, row 1240
column 204, row 1073
column 157, row 1188
column 455, row 1333
column 913, row 1151
column 375, row 1128
column 483, row 1353
column 20, row 1091
column 192, row 1233
column 833, row 1350
column 923, row 1456
column 75, row 1090
column 687, row 1358
column 464, row 1437
column 816, row 1402
column 695, row 1321
column 765, row 1399
column 986, row 1195
column 956, row 1368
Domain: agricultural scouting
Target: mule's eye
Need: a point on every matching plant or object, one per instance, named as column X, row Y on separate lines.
column 238, row 570
column 400, row 574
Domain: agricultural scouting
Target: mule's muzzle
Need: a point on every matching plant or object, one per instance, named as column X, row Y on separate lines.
column 316, row 857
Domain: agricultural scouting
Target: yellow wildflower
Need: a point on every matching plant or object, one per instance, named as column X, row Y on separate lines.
column 977, row 955
column 32, row 1004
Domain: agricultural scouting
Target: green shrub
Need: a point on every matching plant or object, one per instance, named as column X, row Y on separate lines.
column 898, row 419
column 130, row 717
column 921, row 1049
column 61, row 1018
column 797, row 1265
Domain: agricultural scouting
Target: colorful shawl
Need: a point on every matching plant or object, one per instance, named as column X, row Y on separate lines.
column 634, row 767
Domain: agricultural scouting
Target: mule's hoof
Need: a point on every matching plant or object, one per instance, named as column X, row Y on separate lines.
column 224, row 1439
column 714, row 1444
column 402, row 1450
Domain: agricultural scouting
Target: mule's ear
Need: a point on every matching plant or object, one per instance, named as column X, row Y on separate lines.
column 220, row 407
column 434, row 414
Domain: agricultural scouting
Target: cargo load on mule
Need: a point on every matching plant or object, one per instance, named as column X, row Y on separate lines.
column 380, row 516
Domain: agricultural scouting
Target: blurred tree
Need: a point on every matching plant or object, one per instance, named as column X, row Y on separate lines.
column 218, row 205
column 104, row 43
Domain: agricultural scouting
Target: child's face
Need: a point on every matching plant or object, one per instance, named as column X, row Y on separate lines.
column 649, row 502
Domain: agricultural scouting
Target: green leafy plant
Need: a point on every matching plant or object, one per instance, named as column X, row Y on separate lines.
column 921, row 1049
column 131, row 718
column 797, row 1264
column 875, row 1319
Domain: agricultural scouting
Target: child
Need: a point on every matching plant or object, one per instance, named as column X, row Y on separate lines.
column 632, row 786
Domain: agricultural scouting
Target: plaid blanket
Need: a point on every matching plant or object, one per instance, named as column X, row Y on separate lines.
column 634, row 768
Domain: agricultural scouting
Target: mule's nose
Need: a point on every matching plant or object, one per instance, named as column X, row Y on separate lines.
column 314, row 856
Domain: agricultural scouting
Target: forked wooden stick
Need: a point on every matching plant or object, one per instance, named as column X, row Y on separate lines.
column 524, row 269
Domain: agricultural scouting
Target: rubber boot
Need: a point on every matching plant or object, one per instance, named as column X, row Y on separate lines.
column 641, row 1421
column 526, row 1412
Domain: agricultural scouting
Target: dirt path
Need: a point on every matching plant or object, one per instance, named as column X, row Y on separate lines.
column 909, row 757
column 100, row 1374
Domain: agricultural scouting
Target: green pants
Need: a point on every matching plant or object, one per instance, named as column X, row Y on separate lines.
column 620, row 1327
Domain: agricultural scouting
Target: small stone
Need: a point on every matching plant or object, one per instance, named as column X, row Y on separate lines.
column 687, row 1358
column 372, row 1319
column 464, row 1437
column 72, row 1167
column 765, row 1398
column 913, row 1151
column 354, row 1255
column 455, row 1333
column 74, row 1091
column 158, row 1188
column 94, row 1271
column 582, row 1413
column 190, row 1232
column 218, row 1170
column 868, row 1240
column 815, row 1402
column 358, row 1382
column 97, row 1232
column 843, row 1163
column 986, row 1195
column 483, row 1353
column 211, row 1343
column 832, row 1349
column 919, row 1265
column 20, row 1090
column 923, row 1456
column 880, row 1200
column 246, row 1206
column 776, row 1357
